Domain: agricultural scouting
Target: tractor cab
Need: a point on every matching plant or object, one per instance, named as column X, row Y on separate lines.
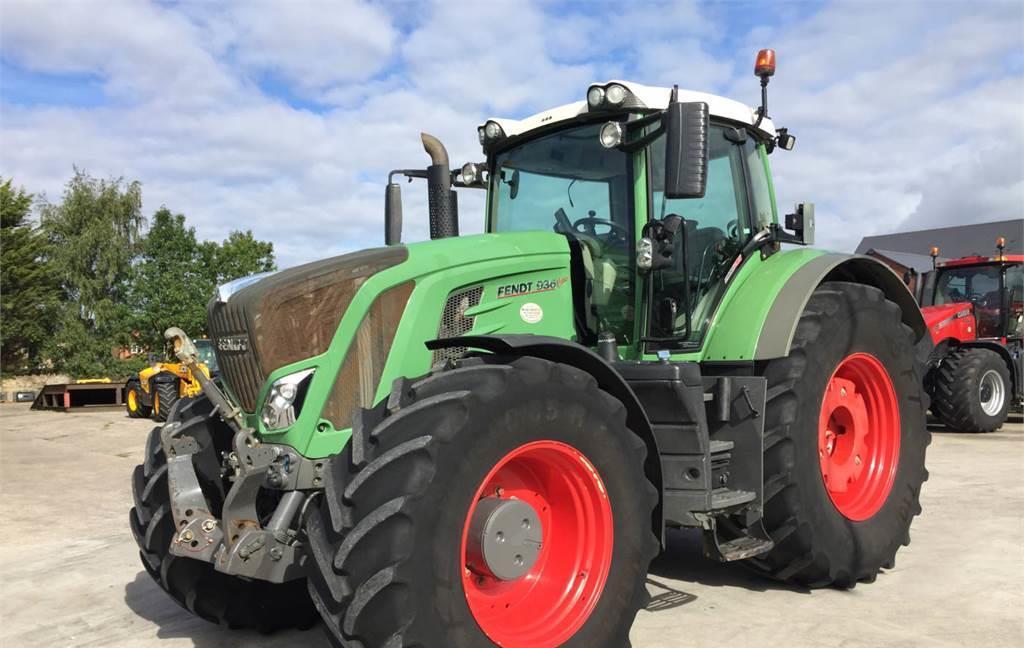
column 660, row 229
column 976, row 297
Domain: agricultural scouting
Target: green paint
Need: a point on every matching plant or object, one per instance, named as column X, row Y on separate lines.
column 536, row 259
column 763, row 152
column 737, row 324
column 526, row 289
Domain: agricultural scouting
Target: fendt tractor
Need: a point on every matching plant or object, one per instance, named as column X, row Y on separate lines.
column 974, row 308
column 483, row 440
column 154, row 390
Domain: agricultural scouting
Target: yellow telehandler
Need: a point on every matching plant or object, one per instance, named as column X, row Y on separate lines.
column 158, row 387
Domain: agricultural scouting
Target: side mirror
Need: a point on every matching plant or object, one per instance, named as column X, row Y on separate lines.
column 801, row 223
column 686, row 149
column 513, row 185
column 393, row 214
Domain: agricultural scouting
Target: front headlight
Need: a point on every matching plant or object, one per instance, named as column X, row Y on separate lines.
column 284, row 402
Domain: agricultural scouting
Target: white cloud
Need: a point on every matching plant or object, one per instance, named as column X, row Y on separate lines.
column 904, row 115
column 312, row 45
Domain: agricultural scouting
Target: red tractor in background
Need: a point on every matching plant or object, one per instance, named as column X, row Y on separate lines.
column 974, row 310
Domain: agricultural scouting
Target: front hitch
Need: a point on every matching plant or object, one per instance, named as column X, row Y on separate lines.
column 237, row 543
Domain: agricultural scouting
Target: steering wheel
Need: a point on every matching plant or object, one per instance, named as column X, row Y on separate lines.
column 589, row 225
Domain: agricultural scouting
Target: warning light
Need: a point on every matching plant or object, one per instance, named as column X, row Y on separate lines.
column 764, row 66
column 1000, row 242
column 935, row 251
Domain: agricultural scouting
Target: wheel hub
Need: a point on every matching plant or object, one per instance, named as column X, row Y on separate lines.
column 859, row 435
column 505, row 537
column 537, row 583
column 990, row 393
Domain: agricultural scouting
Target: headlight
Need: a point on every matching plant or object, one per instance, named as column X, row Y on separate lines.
column 644, row 254
column 615, row 94
column 611, row 135
column 612, row 97
column 471, row 173
column 284, row 402
column 492, row 130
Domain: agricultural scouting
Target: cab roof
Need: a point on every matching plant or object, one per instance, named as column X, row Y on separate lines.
column 648, row 98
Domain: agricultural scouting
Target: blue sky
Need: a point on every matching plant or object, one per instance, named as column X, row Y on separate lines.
column 284, row 117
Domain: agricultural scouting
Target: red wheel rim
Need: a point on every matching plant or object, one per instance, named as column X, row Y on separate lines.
column 553, row 600
column 859, row 436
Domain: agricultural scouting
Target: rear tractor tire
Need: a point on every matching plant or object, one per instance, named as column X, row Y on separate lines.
column 165, row 395
column 195, row 585
column 845, row 439
column 500, row 502
column 972, row 391
column 133, row 402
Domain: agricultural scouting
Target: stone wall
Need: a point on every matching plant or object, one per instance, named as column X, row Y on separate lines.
column 11, row 384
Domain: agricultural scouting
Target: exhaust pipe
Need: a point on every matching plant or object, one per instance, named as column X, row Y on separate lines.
column 442, row 200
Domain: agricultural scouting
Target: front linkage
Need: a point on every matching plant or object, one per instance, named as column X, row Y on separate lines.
column 237, row 543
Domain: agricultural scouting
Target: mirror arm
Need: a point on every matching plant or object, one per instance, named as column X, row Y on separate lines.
column 636, row 145
column 408, row 173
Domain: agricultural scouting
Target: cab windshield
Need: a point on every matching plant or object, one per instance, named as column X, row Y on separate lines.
column 204, row 349
column 566, row 182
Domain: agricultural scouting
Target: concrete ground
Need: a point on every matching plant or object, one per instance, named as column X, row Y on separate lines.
column 70, row 575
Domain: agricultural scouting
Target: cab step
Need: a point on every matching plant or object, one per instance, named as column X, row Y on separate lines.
column 742, row 548
column 726, row 542
column 724, row 498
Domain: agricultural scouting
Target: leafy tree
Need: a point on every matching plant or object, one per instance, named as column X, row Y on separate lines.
column 240, row 255
column 27, row 299
column 172, row 282
column 175, row 275
column 94, row 233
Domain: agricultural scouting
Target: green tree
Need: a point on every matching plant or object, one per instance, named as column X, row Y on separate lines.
column 172, row 283
column 27, row 299
column 94, row 233
column 175, row 275
column 240, row 255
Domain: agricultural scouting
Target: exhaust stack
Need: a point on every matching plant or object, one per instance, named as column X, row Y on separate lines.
column 443, row 202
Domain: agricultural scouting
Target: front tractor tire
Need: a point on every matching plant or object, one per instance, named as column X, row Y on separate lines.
column 501, row 502
column 165, row 394
column 845, row 439
column 972, row 391
column 194, row 585
column 133, row 401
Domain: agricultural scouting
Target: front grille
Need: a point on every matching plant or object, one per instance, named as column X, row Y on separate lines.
column 454, row 322
column 240, row 369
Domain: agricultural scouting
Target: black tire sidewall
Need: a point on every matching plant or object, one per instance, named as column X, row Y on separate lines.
column 985, row 361
column 527, row 414
column 859, row 327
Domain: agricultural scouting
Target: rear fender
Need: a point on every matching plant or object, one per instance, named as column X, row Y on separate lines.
column 579, row 356
column 779, row 326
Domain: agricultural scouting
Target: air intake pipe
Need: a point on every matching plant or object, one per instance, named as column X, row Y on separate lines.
column 442, row 200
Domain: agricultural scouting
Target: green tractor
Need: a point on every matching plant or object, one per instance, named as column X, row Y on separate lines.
column 483, row 439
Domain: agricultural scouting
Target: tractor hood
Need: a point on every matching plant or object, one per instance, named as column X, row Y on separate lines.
column 288, row 316
column 954, row 320
column 292, row 315
column 936, row 314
